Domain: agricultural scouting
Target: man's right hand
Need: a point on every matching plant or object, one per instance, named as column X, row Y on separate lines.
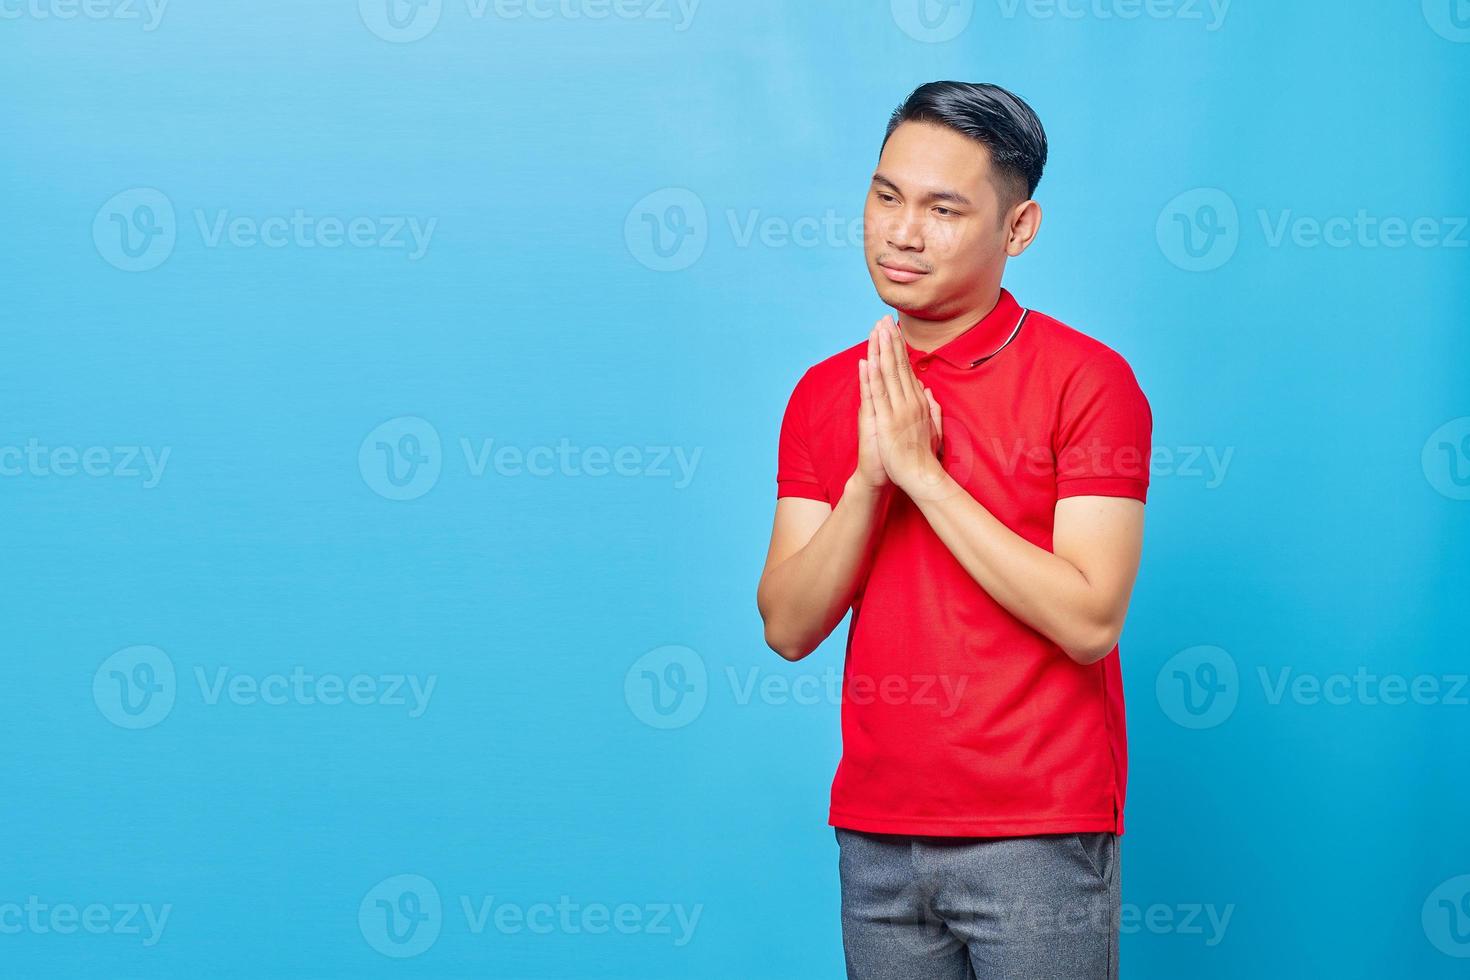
column 870, row 472
column 819, row 552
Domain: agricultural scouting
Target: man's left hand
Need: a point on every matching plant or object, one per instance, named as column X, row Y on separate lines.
column 909, row 422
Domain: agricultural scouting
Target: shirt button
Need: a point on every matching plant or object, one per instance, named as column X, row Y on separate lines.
column 924, row 366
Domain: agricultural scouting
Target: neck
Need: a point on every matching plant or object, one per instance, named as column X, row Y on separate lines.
column 928, row 335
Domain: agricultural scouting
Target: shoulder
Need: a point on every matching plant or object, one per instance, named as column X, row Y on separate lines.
column 831, row 376
column 840, row 366
column 1076, row 358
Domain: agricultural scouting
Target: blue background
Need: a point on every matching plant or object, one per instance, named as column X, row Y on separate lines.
column 545, row 149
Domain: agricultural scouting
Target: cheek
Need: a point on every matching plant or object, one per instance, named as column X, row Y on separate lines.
column 953, row 239
column 872, row 227
column 968, row 248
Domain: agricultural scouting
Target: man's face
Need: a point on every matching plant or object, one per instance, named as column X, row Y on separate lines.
column 933, row 208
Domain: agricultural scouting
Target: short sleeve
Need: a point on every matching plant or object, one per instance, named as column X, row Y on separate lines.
column 796, row 473
column 1104, row 432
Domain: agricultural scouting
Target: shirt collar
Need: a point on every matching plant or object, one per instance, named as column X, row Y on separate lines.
column 980, row 340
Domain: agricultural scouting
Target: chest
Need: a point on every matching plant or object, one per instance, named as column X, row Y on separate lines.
column 999, row 439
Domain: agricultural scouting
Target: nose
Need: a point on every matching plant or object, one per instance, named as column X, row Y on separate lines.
column 904, row 232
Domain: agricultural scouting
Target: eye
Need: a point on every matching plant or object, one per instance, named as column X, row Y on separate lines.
column 885, row 198
column 944, row 212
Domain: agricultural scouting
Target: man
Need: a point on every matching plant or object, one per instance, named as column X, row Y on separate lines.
column 969, row 481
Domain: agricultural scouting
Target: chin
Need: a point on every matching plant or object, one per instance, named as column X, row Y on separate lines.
column 902, row 296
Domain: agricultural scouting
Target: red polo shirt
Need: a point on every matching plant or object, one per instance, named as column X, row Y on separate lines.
column 958, row 719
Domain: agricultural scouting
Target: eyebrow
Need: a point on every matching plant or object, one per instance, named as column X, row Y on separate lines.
column 941, row 194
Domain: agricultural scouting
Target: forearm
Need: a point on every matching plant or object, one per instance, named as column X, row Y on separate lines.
column 1043, row 590
column 804, row 597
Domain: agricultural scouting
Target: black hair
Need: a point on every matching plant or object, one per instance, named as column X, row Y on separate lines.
column 991, row 116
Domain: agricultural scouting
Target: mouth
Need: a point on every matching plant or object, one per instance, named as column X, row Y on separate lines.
column 897, row 273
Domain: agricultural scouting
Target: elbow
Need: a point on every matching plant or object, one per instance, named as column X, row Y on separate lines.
column 1090, row 645
column 787, row 648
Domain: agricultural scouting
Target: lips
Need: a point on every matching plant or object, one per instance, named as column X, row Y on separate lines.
column 901, row 273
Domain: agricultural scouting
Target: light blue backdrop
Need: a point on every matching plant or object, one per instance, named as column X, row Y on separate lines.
column 388, row 413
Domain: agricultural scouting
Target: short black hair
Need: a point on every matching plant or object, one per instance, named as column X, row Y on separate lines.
column 991, row 116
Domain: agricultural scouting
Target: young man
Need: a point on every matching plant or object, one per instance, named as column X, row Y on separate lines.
column 970, row 482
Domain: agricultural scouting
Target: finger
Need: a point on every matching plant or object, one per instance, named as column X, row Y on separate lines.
column 935, row 414
column 888, row 361
column 865, row 393
column 912, row 390
column 872, row 361
column 879, row 392
column 876, row 379
column 905, row 369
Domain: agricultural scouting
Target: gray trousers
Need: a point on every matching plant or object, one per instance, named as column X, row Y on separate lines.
column 980, row 908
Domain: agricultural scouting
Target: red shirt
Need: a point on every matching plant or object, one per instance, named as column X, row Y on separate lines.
column 958, row 719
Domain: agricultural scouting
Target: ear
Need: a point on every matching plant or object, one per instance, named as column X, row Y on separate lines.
column 1021, row 229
